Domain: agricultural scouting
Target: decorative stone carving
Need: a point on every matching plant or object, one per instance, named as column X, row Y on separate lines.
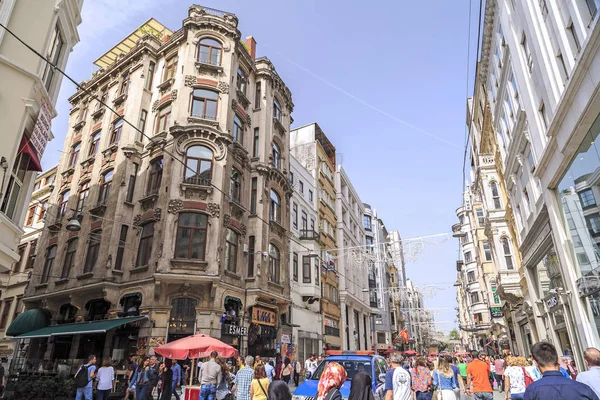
column 155, row 106
column 157, row 214
column 216, row 142
column 243, row 230
column 226, row 220
column 174, row 94
column 234, row 104
column 213, row 209
column 223, row 87
column 190, row 80
column 175, row 206
column 248, row 120
column 137, row 219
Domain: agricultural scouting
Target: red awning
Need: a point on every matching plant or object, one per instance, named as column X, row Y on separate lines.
column 34, row 161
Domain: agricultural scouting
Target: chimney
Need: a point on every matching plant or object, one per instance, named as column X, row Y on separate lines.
column 251, row 46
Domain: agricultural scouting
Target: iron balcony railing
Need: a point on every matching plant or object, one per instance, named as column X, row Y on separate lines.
column 308, row 234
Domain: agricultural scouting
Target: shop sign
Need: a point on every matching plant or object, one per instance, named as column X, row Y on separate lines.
column 233, row 330
column 496, row 312
column 262, row 316
column 588, row 285
column 552, row 302
column 285, row 339
column 41, row 132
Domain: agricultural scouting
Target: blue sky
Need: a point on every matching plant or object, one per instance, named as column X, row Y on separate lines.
column 380, row 79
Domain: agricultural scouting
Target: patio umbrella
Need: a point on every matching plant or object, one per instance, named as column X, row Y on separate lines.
column 410, row 353
column 195, row 346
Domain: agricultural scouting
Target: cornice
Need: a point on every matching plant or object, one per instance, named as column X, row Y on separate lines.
column 488, row 35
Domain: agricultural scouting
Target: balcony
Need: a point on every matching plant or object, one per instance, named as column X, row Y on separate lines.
column 509, row 286
column 457, row 230
column 308, row 234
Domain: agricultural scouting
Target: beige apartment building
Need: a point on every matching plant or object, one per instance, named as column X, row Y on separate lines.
column 29, row 88
column 184, row 220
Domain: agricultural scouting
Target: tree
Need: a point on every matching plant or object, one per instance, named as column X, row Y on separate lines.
column 454, row 335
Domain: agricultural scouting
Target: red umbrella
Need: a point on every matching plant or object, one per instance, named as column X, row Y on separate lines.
column 196, row 346
column 410, row 353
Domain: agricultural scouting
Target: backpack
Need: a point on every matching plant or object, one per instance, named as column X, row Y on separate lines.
column 526, row 377
column 81, row 377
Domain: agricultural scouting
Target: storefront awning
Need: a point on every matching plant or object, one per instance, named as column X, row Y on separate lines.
column 28, row 321
column 34, row 162
column 79, row 328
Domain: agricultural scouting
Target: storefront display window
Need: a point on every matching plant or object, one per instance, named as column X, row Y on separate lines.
column 183, row 318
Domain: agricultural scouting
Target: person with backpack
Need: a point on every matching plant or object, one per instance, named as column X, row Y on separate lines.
column 84, row 379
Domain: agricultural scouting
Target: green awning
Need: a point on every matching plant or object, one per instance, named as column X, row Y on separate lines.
column 80, row 328
column 27, row 321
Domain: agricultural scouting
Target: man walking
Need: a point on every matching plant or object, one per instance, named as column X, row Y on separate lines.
column 297, row 372
column 243, row 379
column 210, row 376
column 176, row 368
column 87, row 372
column 478, row 372
column 397, row 380
column 269, row 370
column 553, row 385
column 591, row 377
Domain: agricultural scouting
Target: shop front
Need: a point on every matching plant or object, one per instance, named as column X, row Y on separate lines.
column 232, row 331
column 262, row 332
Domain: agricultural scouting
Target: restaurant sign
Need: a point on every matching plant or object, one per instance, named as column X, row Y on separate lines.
column 263, row 316
column 233, row 330
column 41, row 132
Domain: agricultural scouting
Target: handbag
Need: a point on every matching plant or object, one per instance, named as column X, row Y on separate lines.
column 526, row 377
column 437, row 392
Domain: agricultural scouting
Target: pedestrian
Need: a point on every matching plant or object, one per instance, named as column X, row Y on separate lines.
column 279, row 391
column 514, row 377
column 286, row 371
column 361, row 387
column 499, row 370
column 84, row 379
column 227, row 378
column 243, row 379
column 563, row 367
column 176, row 368
column 445, row 380
column 144, row 379
column 397, row 380
column 154, row 376
column 105, row 378
column 460, row 383
column 270, row 370
column 592, row 376
column 260, row 384
column 332, row 379
column 310, row 365
column 210, row 376
column 478, row 372
column 297, row 372
column 258, row 361
column 462, row 367
column 166, row 380
column 278, row 367
column 553, row 385
column 421, row 380
column 532, row 370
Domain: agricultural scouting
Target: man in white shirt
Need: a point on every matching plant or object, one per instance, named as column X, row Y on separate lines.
column 397, row 380
column 591, row 377
column 310, row 364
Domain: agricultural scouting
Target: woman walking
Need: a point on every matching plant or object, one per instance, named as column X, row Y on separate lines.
column 332, row 379
column 445, row 380
column 286, row 371
column 224, row 387
column 514, row 377
column 421, row 380
column 166, row 380
column 278, row 390
column 361, row 387
column 260, row 384
column 105, row 378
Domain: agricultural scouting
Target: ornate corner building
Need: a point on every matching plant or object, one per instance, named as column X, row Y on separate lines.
column 185, row 219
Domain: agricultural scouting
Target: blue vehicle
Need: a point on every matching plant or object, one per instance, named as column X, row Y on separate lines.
column 353, row 362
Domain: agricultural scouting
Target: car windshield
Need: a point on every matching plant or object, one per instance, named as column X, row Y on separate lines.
column 352, row 368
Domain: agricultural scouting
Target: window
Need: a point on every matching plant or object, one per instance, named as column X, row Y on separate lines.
column 301, row 186
column 191, row 236
column 50, row 256
column 253, row 195
column 241, row 81
column 93, row 251
column 564, row 72
column 235, row 185
column 295, row 215
column 592, row 7
column 251, row 251
column 30, row 215
column 468, row 257
column 306, row 269
column 198, row 162
column 155, row 178
column 84, row 192
column 125, row 80
column 304, row 225
column 121, row 248
column 69, row 258
column 471, row 276
column 582, row 258
column 209, row 51
column 150, row 76
column 255, row 143
column 257, row 94
column 139, row 136
column 527, row 52
column 367, row 222
column 480, row 217
column 369, row 244
column 74, row 156
column 131, row 185
column 204, row 104
column 495, row 195
column 487, row 252
column 103, row 96
column 145, row 247
column 274, row 264
column 19, row 264
column 275, row 211
column 5, row 312
column 95, row 144
column 295, row 267
column 507, row 253
column 170, row 68
column 15, row 183
column 291, row 177
column 593, row 223
column 276, row 154
column 530, row 161
column 310, row 195
column 231, row 248
column 53, row 55
column 18, row 308
column 276, row 109
column 62, row 205
column 474, row 297
column 238, row 130
column 42, row 212
column 163, row 119
column 587, row 198
column 105, row 187
column 574, row 37
column 32, row 251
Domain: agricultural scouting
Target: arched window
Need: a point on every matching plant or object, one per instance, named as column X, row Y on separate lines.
column 69, row 258
column 276, row 153
column 275, row 210
column 204, row 103
column 495, row 195
column 209, row 51
column 183, row 318
column 95, row 144
column 507, row 253
column 105, row 187
column 276, row 109
column 191, row 236
column 50, row 256
column 63, row 202
column 235, row 185
column 231, row 248
column 93, row 251
column 145, row 248
column 84, row 192
column 155, row 178
column 198, row 162
column 274, row 264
